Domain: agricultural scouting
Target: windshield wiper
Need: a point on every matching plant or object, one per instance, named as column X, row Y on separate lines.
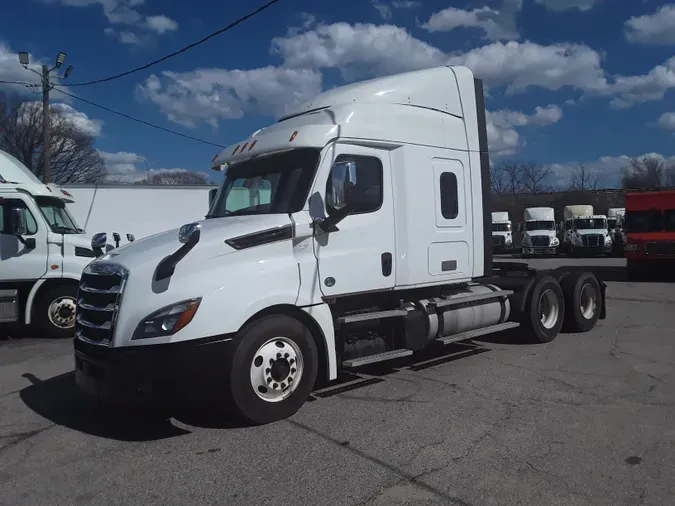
column 64, row 230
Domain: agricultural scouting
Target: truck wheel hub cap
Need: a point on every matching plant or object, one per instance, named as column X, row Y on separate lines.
column 276, row 369
column 62, row 312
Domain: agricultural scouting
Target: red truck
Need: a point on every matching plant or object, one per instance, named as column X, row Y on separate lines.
column 650, row 230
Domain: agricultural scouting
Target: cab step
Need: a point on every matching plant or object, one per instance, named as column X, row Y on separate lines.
column 379, row 357
column 470, row 334
column 362, row 317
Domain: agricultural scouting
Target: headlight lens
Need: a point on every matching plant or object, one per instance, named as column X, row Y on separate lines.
column 555, row 241
column 168, row 320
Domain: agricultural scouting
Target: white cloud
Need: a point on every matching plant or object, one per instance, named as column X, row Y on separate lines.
column 211, row 95
column 607, row 168
column 125, row 13
column 631, row 90
column 79, row 119
column 667, row 121
column 405, row 4
column 367, row 50
column 564, row 5
column 504, row 139
column 655, row 29
column 121, row 163
column 496, row 23
column 382, row 8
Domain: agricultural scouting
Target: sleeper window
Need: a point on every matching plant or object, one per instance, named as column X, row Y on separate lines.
column 449, row 197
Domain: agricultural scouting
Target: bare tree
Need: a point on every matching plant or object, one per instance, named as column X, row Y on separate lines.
column 534, row 177
column 176, row 177
column 512, row 173
column 498, row 180
column 583, row 179
column 645, row 173
column 74, row 159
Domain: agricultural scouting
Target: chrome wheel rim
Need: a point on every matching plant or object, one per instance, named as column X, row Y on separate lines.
column 276, row 369
column 61, row 312
column 549, row 308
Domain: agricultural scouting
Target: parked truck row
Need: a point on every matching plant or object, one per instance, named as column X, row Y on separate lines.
column 374, row 242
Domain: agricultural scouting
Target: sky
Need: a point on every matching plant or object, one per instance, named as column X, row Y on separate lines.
column 567, row 81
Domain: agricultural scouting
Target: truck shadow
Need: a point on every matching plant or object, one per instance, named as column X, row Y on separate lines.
column 620, row 274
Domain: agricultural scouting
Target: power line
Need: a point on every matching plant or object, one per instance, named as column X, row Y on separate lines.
column 139, row 120
column 176, row 53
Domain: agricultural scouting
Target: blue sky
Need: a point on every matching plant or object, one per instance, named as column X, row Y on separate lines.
column 569, row 81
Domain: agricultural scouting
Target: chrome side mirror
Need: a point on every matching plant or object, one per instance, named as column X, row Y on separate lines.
column 18, row 221
column 190, row 233
column 99, row 240
column 343, row 179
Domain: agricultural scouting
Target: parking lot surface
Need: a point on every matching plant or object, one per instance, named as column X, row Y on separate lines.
column 586, row 419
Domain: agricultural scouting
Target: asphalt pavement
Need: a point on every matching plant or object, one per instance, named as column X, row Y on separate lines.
column 586, row 419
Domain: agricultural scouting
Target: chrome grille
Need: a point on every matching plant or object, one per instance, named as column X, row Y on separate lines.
column 98, row 300
column 593, row 240
column 540, row 241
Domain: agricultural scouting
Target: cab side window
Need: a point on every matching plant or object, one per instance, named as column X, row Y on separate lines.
column 368, row 178
column 6, row 206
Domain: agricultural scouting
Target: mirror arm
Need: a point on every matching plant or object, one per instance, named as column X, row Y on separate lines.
column 329, row 224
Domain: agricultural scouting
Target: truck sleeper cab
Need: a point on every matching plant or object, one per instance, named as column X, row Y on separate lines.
column 363, row 236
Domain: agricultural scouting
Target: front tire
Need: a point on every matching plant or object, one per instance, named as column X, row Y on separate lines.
column 273, row 370
column 55, row 311
column 582, row 302
column 544, row 310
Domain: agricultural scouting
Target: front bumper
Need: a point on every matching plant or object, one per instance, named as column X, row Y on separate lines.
column 530, row 250
column 182, row 374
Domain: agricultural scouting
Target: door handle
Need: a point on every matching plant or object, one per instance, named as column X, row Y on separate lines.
column 386, row 259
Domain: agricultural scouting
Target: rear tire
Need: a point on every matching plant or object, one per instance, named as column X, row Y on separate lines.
column 274, row 369
column 544, row 310
column 54, row 313
column 582, row 302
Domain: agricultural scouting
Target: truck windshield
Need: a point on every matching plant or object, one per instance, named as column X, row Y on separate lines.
column 55, row 212
column 590, row 224
column 644, row 221
column 539, row 225
column 501, row 227
column 273, row 184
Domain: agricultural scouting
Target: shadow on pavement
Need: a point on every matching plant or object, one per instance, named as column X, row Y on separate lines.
column 59, row 400
column 620, row 274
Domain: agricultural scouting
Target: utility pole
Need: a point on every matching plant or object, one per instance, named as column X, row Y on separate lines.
column 47, row 169
column 46, row 85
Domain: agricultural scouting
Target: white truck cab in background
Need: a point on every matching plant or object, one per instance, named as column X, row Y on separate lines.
column 502, row 238
column 42, row 252
column 363, row 234
column 539, row 232
column 585, row 233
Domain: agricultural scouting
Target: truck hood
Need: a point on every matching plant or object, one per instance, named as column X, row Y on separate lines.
column 549, row 233
column 214, row 232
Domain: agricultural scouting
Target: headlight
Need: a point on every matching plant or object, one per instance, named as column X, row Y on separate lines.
column 168, row 320
column 555, row 241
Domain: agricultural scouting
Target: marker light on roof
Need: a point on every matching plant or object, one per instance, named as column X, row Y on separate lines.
column 252, row 144
column 244, row 147
column 214, row 158
column 66, row 193
column 293, row 136
column 235, row 150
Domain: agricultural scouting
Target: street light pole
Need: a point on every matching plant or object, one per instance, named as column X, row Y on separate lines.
column 46, row 85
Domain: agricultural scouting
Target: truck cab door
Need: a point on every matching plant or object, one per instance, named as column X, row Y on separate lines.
column 358, row 255
column 19, row 260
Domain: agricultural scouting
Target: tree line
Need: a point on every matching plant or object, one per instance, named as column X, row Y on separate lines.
column 74, row 158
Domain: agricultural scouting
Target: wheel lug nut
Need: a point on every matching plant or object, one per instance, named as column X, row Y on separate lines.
column 286, row 355
column 275, row 386
column 278, row 355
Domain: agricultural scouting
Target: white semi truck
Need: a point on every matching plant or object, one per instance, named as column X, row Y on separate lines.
column 42, row 252
column 374, row 242
column 585, row 233
column 539, row 232
column 502, row 238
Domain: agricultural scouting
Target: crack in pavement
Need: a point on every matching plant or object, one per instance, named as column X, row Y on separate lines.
column 20, row 437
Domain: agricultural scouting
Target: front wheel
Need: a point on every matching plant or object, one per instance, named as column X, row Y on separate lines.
column 55, row 311
column 544, row 310
column 274, row 369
